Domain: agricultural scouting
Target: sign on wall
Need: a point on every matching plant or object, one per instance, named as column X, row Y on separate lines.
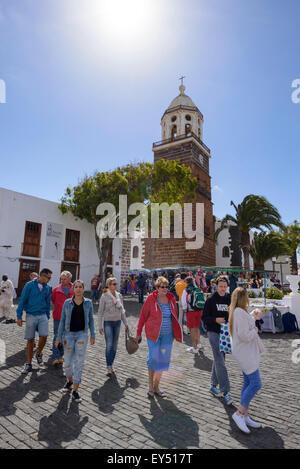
column 53, row 246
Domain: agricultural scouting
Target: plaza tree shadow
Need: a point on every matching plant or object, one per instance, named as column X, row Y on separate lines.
column 170, row 427
column 260, row 438
column 64, row 425
column 111, row 393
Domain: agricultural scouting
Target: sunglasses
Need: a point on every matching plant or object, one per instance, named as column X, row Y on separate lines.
column 113, row 284
column 162, row 287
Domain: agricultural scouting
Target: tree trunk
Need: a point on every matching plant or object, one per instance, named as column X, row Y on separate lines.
column 245, row 246
column 102, row 250
column 259, row 266
column 294, row 266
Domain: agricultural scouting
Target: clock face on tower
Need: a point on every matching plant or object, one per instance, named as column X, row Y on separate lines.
column 201, row 159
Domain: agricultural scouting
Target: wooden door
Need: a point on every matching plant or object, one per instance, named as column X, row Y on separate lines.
column 32, row 239
column 71, row 252
column 26, row 268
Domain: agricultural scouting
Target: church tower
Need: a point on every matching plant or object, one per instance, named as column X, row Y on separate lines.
column 182, row 134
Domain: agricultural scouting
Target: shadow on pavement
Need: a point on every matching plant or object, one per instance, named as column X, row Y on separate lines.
column 111, row 393
column 170, row 427
column 202, row 362
column 18, row 359
column 40, row 381
column 64, row 425
column 283, row 336
column 261, row 438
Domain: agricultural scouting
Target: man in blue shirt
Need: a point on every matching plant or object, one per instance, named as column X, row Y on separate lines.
column 35, row 301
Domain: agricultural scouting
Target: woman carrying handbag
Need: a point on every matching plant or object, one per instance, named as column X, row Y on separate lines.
column 110, row 314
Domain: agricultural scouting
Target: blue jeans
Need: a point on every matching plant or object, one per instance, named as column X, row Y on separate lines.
column 252, row 384
column 95, row 295
column 56, row 352
column 75, row 350
column 159, row 353
column 219, row 373
column 141, row 295
column 111, row 333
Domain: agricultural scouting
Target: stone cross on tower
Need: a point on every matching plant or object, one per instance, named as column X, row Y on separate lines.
column 182, row 87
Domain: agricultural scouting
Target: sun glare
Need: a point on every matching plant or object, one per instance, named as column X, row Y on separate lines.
column 122, row 22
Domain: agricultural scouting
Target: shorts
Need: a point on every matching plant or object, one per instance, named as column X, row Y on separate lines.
column 193, row 319
column 35, row 323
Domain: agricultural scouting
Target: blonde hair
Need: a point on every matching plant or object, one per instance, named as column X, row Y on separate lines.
column 78, row 281
column 239, row 299
column 109, row 281
column 162, row 281
column 67, row 274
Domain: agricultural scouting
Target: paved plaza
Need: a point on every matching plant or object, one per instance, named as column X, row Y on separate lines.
column 116, row 414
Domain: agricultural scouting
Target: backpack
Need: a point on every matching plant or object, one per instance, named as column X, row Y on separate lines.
column 277, row 319
column 196, row 299
column 290, row 323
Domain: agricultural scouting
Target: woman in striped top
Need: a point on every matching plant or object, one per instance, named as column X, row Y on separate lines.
column 159, row 315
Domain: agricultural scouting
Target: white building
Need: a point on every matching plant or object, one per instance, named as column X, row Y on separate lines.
column 229, row 254
column 34, row 235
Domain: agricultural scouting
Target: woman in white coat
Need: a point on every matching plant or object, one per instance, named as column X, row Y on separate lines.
column 246, row 349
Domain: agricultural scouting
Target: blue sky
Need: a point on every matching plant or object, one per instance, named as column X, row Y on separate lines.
column 87, row 83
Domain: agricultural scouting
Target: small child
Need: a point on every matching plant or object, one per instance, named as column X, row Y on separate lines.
column 257, row 314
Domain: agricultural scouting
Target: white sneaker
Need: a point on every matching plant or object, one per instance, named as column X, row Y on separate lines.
column 199, row 346
column 192, row 350
column 252, row 423
column 240, row 421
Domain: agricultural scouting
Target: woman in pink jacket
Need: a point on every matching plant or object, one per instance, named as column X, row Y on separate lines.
column 159, row 316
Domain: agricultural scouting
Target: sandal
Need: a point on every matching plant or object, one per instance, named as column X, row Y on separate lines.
column 161, row 394
column 150, row 392
column 109, row 373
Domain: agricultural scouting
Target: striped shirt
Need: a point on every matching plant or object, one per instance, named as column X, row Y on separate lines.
column 166, row 326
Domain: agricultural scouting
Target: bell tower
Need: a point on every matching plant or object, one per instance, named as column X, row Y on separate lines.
column 182, row 139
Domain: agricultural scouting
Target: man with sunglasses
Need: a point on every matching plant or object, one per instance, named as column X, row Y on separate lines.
column 35, row 301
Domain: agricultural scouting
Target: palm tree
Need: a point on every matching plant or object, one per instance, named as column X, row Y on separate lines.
column 291, row 235
column 254, row 212
column 265, row 246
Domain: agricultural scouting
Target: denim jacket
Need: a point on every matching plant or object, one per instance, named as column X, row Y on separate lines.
column 64, row 325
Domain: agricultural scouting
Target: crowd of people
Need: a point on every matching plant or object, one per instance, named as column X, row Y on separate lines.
column 196, row 301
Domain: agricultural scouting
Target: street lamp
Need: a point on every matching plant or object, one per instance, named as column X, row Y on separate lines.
column 274, row 260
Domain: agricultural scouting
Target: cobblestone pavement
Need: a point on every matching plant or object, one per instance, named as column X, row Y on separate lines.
column 115, row 413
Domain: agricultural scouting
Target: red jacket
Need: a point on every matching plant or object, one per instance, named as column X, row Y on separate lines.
column 151, row 317
column 58, row 298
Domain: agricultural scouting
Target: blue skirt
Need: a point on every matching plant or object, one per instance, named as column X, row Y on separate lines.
column 159, row 353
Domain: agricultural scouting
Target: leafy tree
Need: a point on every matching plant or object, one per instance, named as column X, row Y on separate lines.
column 166, row 181
column 265, row 246
column 254, row 212
column 291, row 235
